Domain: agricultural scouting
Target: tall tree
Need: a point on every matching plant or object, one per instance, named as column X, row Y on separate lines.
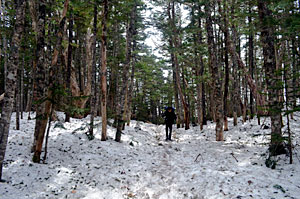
column 134, row 60
column 3, row 37
column 174, row 45
column 104, row 70
column 10, row 84
column 121, row 111
column 44, row 94
column 93, row 98
column 251, row 59
column 17, row 99
column 226, row 60
column 216, row 75
column 199, row 51
column 267, row 40
column 69, row 66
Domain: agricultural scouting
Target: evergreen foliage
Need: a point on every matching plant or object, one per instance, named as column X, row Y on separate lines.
column 204, row 49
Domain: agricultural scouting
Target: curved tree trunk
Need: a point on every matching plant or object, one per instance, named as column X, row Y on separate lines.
column 43, row 110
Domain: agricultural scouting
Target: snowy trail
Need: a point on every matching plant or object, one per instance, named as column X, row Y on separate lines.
column 144, row 166
column 162, row 176
column 157, row 179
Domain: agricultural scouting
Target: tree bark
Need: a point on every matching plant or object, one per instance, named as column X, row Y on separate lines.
column 5, row 60
column 236, row 58
column 11, row 79
column 22, row 87
column 134, row 45
column 286, row 77
column 84, row 88
column 198, row 42
column 295, row 70
column 216, row 76
column 30, row 90
column 226, row 61
column 34, row 16
column 43, row 110
column 93, row 98
column 171, row 14
column 251, row 62
column 69, row 67
column 113, row 79
column 104, row 71
column 4, row 39
column 125, row 77
column 177, row 106
column 235, row 84
column 40, row 76
column 17, row 99
column 268, row 39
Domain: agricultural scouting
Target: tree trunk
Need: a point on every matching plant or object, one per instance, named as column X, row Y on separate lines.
column 31, row 89
column 212, row 104
column 85, row 77
column 47, row 135
column 244, row 91
column 125, row 77
column 31, row 96
column 93, row 98
column 295, row 69
column 5, row 60
column 69, row 67
column 11, row 79
column 203, row 103
column 134, row 48
column 198, row 40
column 22, row 87
column 77, row 72
column 134, row 45
column 245, row 101
column 171, row 14
column 216, row 76
column 40, row 76
column 113, row 79
column 104, row 71
column 226, row 84
column 235, row 91
column 17, row 99
column 43, row 110
column 287, row 77
column 251, row 62
column 268, row 39
column 236, row 58
column 177, row 106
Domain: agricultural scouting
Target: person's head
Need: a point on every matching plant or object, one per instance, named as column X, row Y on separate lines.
column 169, row 109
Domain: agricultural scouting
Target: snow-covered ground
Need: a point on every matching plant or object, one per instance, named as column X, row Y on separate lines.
column 145, row 166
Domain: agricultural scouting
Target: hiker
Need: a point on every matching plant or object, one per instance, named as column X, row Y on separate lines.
column 170, row 118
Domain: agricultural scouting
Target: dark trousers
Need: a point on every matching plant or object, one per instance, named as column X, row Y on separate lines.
column 168, row 135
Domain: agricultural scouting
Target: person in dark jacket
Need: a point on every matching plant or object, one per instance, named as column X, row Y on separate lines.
column 170, row 118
